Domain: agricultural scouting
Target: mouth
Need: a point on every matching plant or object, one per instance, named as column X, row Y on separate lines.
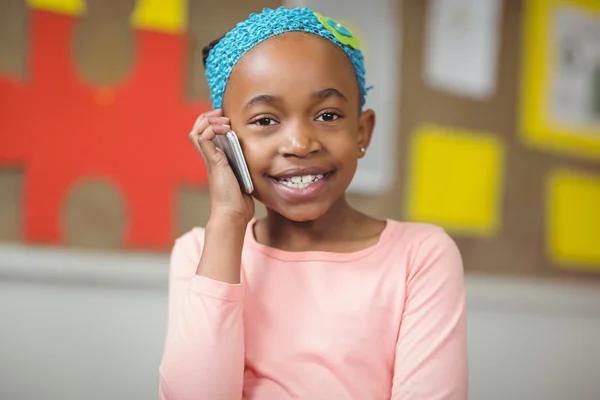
column 301, row 181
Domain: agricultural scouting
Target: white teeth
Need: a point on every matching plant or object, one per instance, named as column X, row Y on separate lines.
column 301, row 182
column 302, row 179
column 308, row 178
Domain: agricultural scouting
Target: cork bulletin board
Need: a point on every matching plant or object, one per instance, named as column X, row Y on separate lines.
column 82, row 84
column 506, row 203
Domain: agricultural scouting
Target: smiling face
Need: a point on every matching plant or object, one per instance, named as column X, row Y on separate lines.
column 294, row 103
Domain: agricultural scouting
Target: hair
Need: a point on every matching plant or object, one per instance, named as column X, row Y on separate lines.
column 206, row 49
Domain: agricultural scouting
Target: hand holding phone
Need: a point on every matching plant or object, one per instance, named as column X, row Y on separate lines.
column 227, row 170
column 230, row 145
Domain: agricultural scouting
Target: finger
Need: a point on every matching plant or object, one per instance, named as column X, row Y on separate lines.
column 203, row 124
column 200, row 125
column 208, row 135
column 206, row 147
column 205, row 116
column 200, row 148
column 218, row 120
column 203, row 121
column 213, row 130
column 213, row 113
column 212, row 155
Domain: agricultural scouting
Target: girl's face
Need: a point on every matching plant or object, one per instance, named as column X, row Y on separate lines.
column 294, row 103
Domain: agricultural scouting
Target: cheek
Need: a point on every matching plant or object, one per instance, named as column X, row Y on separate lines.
column 255, row 152
column 342, row 147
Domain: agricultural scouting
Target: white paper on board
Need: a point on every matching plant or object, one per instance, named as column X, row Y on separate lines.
column 378, row 27
column 462, row 39
column 574, row 80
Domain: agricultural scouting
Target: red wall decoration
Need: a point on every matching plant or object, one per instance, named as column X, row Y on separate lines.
column 62, row 130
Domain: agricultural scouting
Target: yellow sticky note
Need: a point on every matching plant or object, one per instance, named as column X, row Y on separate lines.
column 160, row 15
column 456, row 180
column 573, row 213
column 68, row 7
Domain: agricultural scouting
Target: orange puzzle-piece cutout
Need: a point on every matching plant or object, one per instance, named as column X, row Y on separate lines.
column 61, row 131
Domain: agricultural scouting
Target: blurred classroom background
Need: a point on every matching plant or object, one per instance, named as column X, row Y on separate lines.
column 488, row 125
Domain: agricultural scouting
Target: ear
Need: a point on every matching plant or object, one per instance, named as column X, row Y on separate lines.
column 366, row 124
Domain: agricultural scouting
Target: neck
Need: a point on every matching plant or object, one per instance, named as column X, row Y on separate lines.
column 278, row 231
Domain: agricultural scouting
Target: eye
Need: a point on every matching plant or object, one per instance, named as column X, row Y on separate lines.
column 328, row 117
column 264, row 121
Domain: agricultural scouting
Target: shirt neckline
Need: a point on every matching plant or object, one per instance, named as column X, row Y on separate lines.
column 302, row 256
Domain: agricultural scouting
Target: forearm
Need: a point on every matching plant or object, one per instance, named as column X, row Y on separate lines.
column 204, row 353
column 222, row 255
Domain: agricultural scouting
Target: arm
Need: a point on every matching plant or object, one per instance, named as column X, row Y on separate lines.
column 203, row 356
column 431, row 352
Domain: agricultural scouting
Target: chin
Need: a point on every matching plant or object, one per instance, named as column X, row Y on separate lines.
column 301, row 214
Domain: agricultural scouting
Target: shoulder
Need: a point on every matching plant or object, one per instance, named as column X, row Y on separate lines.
column 427, row 246
column 418, row 235
column 186, row 252
column 412, row 232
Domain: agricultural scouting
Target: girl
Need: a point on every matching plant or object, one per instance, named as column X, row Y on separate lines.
column 317, row 300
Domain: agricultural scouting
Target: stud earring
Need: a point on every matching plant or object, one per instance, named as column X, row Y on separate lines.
column 362, row 149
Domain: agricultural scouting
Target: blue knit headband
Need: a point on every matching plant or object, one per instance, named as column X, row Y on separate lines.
column 260, row 27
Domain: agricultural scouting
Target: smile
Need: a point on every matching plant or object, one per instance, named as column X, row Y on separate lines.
column 302, row 187
column 300, row 182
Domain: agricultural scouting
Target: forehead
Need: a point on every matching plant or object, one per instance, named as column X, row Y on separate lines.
column 294, row 60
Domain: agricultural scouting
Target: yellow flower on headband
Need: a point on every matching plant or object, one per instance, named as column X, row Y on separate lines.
column 340, row 32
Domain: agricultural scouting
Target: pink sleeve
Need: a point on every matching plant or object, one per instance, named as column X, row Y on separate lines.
column 431, row 352
column 203, row 356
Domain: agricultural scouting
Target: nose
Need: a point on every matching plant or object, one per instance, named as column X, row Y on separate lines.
column 299, row 142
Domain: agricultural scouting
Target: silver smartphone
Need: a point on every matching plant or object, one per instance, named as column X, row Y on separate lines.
column 230, row 145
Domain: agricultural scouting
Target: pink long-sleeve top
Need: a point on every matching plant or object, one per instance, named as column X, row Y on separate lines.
column 386, row 322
